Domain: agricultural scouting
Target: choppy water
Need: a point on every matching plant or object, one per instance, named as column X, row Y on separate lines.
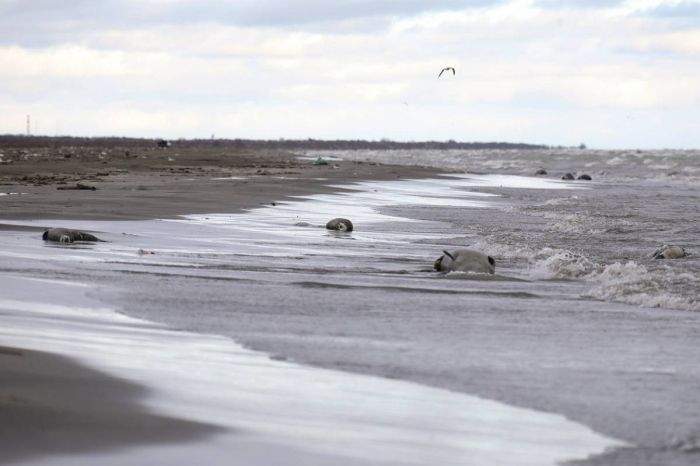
column 597, row 235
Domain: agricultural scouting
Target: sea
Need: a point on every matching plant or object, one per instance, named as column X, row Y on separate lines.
column 578, row 324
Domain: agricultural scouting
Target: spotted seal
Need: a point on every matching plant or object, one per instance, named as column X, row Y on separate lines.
column 667, row 252
column 465, row 260
column 340, row 224
column 63, row 235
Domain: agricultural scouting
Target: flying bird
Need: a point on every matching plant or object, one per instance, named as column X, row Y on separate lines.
column 447, row 69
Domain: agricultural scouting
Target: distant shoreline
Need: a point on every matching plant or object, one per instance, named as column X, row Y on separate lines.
column 277, row 144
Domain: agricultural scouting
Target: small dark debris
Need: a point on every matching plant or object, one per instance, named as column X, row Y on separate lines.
column 78, row 187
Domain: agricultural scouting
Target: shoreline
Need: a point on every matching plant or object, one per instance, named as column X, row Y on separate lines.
column 160, row 186
column 486, row 388
column 262, row 410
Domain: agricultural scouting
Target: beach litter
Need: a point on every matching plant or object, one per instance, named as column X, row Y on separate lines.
column 319, row 161
column 77, row 187
column 142, row 252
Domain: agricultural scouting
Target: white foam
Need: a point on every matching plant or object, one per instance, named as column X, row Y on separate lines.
column 633, row 283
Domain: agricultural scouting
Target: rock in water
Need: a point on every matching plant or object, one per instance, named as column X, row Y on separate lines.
column 465, row 260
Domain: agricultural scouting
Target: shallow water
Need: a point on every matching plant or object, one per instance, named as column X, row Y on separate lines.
column 561, row 313
column 353, row 419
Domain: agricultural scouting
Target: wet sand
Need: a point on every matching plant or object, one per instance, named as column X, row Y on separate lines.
column 51, row 405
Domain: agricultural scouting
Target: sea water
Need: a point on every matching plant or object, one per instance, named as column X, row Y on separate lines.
column 573, row 303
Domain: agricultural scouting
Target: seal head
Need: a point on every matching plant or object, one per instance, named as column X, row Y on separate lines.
column 340, row 224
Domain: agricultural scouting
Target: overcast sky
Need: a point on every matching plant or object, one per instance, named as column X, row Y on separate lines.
column 610, row 73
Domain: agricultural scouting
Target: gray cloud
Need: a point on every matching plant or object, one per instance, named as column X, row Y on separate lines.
column 577, row 4
column 45, row 22
column 683, row 10
column 284, row 13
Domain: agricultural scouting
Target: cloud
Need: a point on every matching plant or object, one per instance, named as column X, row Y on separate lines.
column 577, row 4
column 524, row 73
column 44, row 22
column 683, row 10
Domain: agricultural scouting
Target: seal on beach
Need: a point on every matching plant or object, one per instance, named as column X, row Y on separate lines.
column 340, row 224
column 568, row 176
column 667, row 252
column 465, row 260
column 541, row 171
column 585, row 177
column 63, row 235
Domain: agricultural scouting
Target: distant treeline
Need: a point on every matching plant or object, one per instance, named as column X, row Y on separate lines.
column 283, row 144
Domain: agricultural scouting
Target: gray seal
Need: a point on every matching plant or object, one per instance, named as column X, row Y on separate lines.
column 465, row 260
column 340, row 224
column 63, row 235
column 568, row 176
column 585, row 177
column 667, row 252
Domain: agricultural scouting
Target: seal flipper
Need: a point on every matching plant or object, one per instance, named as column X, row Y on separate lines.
column 449, row 255
column 491, row 261
column 45, row 236
column 89, row 237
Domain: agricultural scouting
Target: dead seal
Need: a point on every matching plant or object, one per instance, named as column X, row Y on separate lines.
column 63, row 235
column 465, row 260
column 340, row 224
column 667, row 252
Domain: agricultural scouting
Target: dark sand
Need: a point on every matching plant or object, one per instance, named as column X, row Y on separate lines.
column 134, row 188
column 51, row 405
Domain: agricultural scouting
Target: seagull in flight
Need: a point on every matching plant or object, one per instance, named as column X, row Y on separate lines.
column 447, row 69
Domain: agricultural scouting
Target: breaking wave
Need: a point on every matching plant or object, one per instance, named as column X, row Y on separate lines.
column 654, row 285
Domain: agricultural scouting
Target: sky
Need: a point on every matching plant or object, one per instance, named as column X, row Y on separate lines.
column 617, row 74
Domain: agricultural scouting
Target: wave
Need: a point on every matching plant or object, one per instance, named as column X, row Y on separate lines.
column 634, row 283
column 653, row 285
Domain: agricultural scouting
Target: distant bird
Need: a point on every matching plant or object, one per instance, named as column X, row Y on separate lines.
column 405, row 103
column 447, row 69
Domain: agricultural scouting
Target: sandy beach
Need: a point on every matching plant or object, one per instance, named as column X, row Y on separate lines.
column 151, row 183
column 324, row 301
